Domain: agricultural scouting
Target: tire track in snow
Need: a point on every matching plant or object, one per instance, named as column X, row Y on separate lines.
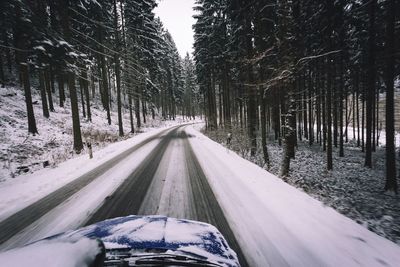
column 129, row 196
column 23, row 218
column 205, row 204
column 170, row 191
column 170, row 175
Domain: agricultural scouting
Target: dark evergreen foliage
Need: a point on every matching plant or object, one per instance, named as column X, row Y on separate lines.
column 302, row 70
column 114, row 48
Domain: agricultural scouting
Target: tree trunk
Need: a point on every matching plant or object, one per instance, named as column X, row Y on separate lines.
column 42, row 87
column 318, row 113
column 111, row 87
column 263, row 129
column 92, row 84
column 371, row 84
column 354, row 114
column 131, row 114
column 241, row 113
column 48, row 89
column 391, row 183
column 226, row 100
column 377, row 119
column 51, row 76
column 334, row 98
column 61, row 90
column 329, row 119
column 304, row 109
column 144, row 111
column 7, row 51
column 310, row 117
column 290, row 133
column 81, row 90
column 340, row 97
column 118, row 72
column 363, row 123
column 76, row 126
column 106, row 90
column 282, row 111
column 213, row 103
column 87, row 95
column 347, row 117
column 2, row 77
column 358, row 110
column 28, row 100
column 301, row 111
column 220, row 111
column 373, row 138
column 324, row 128
column 319, row 97
column 277, row 118
column 137, row 108
column 119, row 102
column 251, row 122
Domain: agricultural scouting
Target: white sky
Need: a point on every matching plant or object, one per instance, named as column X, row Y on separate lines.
column 176, row 15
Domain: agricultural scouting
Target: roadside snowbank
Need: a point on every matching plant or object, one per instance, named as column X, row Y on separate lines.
column 22, row 153
column 350, row 188
column 277, row 224
column 77, row 209
column 20, row 192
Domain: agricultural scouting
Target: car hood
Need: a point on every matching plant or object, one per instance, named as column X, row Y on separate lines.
column 141, row 233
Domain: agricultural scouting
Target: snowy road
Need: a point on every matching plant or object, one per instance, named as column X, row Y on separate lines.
column 181, row 173
column 168, row 180
column 20, row 220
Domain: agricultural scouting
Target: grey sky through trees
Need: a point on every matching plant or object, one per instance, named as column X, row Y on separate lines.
column 176, row 15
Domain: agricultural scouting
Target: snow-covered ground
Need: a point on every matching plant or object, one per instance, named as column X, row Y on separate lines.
column 22, row 191
column 350, row 188
column 81, row 205
column 18, row 188
column 18, row 193
column 279, row 225
column 274, row 223
column 21, row 153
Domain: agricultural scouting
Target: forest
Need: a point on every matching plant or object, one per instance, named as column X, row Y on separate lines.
column 79, row 50
column 320, row 71
column 277, row 122
column 301, row 70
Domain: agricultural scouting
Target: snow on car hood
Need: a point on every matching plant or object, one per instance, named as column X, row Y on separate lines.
column 174, row 235
column 138, row 233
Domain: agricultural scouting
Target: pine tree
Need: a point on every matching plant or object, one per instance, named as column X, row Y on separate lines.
column 21, row 31
column 64, row 7
column 391, row 183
